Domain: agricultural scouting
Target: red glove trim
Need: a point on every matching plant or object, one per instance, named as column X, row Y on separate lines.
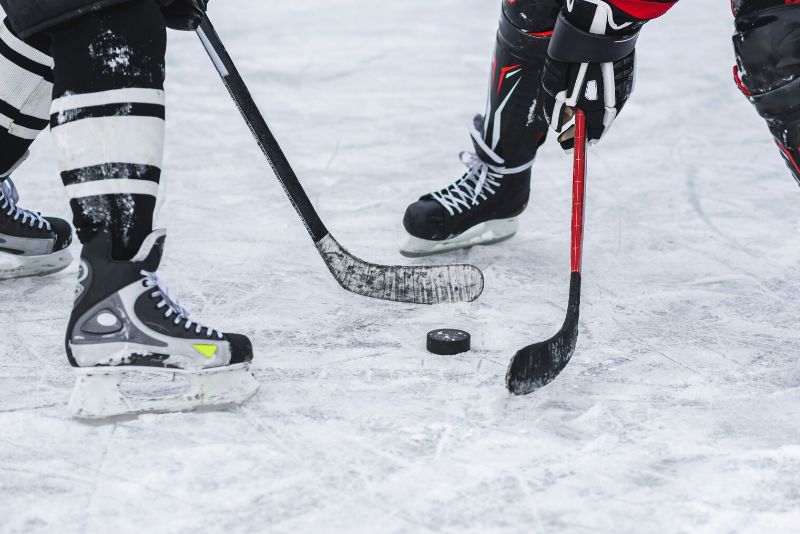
column 643, row 9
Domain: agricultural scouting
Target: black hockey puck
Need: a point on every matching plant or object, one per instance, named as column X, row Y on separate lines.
column 447, row 341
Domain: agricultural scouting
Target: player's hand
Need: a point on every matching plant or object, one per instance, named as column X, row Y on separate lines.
column 591, row 71
column 599, row 89
column 184, row 15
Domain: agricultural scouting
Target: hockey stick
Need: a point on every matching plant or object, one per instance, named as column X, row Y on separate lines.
column 427, row 284
column 537, row 365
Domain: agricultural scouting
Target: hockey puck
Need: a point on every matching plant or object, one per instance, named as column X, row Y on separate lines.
column 446, row 341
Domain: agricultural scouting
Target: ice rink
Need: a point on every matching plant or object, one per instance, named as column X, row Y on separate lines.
column 680, row 411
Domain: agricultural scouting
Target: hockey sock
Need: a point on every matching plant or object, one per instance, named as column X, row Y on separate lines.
column 514, row 124
column 26, row 83
column 107, row 120
column 767, row 43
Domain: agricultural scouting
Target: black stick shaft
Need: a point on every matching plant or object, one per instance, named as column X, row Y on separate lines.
column 252, row 116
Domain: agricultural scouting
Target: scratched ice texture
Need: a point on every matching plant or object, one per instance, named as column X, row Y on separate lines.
column 680, row 411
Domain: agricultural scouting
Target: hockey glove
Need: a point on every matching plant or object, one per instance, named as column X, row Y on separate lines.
column 590, row 65
column 184, row 15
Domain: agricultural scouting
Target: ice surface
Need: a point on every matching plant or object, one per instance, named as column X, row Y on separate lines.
column 680, row 411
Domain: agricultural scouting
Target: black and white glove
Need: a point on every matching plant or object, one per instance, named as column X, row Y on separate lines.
column 184, row 15
column 591, row 66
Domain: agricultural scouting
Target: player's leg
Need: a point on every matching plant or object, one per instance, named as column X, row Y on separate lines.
column 108, row 128
column 30, row 244
column 767, row 43
column 483, row 205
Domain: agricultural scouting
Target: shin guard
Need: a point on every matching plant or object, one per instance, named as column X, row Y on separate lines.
column 514, row 124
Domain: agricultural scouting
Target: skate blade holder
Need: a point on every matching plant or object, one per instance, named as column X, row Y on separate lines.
column 24, row 266
column 103, row 392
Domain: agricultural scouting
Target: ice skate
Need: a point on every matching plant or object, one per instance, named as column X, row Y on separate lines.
column 127, row 328
column 480, row 208
column 30, row 245
column 483, row 206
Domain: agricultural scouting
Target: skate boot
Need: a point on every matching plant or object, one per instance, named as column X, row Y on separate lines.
column 480, row 208
column 30, row 245
column 126, row 327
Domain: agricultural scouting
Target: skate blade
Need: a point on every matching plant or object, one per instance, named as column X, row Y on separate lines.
column 24, row 266
column 487, row 233
column 99, row 392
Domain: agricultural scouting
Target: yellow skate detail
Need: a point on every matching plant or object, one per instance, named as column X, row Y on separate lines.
column 206, row 350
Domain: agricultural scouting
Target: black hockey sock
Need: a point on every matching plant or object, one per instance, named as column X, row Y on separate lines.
column 107, row 120
column 26, row 83
column 514, row 125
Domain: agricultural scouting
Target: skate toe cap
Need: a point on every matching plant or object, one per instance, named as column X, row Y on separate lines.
column 241, row 348
column 63, row 232
column 425, row 219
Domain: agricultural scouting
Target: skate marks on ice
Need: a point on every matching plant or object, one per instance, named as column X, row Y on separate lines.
column 414, row 285
column 682, row 155
column 399, row 441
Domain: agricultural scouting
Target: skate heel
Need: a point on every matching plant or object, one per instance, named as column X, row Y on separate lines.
column 97, row 394
column 100, row 392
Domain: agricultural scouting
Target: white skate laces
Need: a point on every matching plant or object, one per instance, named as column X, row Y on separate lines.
column 172, row 305
column 481, row 178
column 8, row 203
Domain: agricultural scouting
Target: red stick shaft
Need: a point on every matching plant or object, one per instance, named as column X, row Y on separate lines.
column 578, row 190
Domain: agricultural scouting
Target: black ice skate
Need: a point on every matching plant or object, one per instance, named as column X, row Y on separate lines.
column 480, row 208
column 126, row 323
column 30, row 245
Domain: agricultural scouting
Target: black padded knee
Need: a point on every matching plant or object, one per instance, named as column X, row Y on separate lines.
column 520, row 43
column 533, row 16
column 743, row 8
column 767, row 46
column 767, row 43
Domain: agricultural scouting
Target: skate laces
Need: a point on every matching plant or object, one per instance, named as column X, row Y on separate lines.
column 481, row 178
column 173, row 307
column 8, row 203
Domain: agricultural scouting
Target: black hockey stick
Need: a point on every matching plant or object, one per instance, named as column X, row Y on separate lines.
column 539, row 364
column 425, row 284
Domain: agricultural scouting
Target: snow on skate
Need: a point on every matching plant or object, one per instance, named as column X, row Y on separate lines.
column 126, row 321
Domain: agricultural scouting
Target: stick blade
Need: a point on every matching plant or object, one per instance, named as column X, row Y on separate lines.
column 535, row 366
column 422, row 284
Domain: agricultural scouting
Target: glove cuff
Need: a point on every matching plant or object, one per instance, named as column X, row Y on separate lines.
column 570, row 44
